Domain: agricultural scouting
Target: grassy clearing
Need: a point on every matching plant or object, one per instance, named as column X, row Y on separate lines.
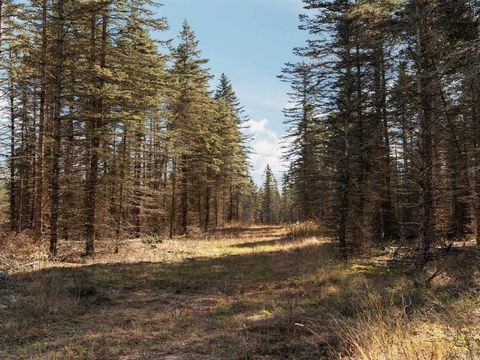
column 253, row 293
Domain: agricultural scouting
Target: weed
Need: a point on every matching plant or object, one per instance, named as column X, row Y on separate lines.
column 152, row 240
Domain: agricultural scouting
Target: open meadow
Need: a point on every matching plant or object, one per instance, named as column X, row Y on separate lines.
column 242, row 293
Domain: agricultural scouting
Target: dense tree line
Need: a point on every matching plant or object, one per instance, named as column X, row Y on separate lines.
column 109, row 133
column 385, row 121
column 105, row 135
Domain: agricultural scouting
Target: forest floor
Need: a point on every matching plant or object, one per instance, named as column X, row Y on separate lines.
column 243, row 293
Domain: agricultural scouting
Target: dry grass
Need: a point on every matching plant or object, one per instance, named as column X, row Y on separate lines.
column 240, row 293
column 19, row 252
column 305, row 230
column 388, row 331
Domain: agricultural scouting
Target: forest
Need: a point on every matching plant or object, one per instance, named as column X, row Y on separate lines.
column 133, row 224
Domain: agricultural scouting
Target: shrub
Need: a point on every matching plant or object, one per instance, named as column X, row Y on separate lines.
column 152, row 240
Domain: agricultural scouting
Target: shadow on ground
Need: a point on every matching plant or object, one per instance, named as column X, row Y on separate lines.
column 232, row 307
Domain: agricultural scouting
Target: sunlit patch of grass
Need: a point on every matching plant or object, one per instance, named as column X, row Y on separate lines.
column 362, row 268
column 262, row 315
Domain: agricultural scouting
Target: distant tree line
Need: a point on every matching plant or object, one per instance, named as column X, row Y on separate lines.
column 385, row 121
column 105, row 135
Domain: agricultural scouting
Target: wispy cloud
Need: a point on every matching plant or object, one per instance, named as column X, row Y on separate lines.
column 266, row 148
column 255, row 127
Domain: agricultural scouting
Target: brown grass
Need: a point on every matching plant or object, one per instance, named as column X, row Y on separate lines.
column 305, row 230
column 387, row 331
column 19, row 252
column 239, row 293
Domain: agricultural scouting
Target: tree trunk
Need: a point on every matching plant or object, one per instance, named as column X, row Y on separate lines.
column 475, row 93
column 96, row 122
column 57, row 140
column 23, row 170
column 69, row 205
column 92, row 150
column 1, row 29
column 345, row 173
column 459, row 174
column 230, row 201
column 425, row 83
column 208, row 195
column 388, row 228
column 215, row 223
column 173, row 204
column 362, row 230
column 38, row 218
column 184, row 196
column 12, row 185
column 137, row 169
column 120, row 202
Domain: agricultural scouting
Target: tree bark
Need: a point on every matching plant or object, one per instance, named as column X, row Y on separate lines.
column 92, row 148
column 345, row 172
column 38, row 217
column 57, row 139
column 173, row 204
column 13, row 184
column 1, row 29
column 362, row 227
column 387, row 217
column 425, row 83
column 120, row 202
column 476, row 131
column 208, row 195
column 459, row 172
column 184, row 195
column 96, row 122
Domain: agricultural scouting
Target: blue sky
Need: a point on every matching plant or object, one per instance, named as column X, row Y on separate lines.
column 249, row 40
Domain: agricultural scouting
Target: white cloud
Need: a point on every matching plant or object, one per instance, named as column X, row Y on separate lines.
column 254, row 126
column 266, row 149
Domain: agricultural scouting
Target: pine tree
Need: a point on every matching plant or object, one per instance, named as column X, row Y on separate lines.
column 190, row 107
column 233, row 156
column 304, row 137
column 392, row 155
column 104, row 140
column 270, row 198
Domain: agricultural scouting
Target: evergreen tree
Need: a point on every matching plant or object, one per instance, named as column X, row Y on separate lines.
column 234, row 157
column 391, row 155
column 191, row 108
column 270, row 198
column 304, row 138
